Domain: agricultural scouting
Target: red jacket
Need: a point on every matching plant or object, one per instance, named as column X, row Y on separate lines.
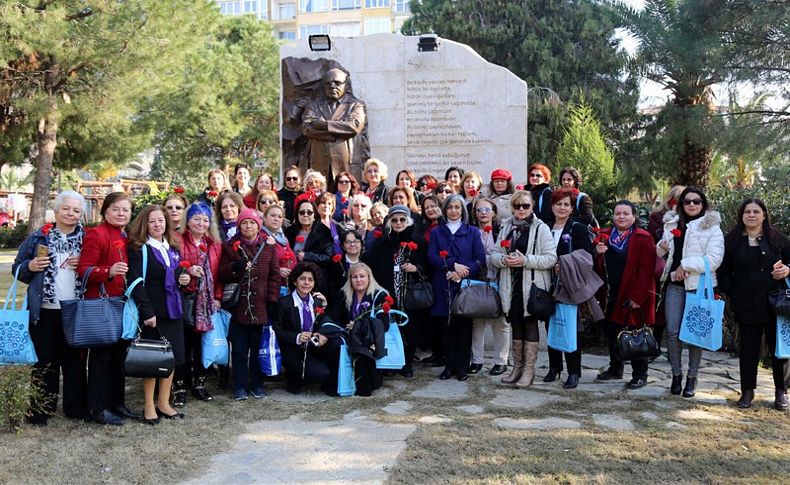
column 250, row 199
column 638, row 283
column 190, row 252
column 265, row 278
column 100, row 252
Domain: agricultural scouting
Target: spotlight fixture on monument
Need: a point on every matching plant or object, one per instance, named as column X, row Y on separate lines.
column 320, row 43
column 428, row 43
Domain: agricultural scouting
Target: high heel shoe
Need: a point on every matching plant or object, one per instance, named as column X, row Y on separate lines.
column 177, row 415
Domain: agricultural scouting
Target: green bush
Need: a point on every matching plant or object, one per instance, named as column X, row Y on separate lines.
column 12, row 238
column 771, row 188
column 16, row 394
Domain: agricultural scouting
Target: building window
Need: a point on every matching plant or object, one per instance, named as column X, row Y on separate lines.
column 345, row 29
column 346, row 4
column 402, row 6
column 250, row 6
column 316, row 5
column 287, row 35
column 286, row 12
column 306, row 31
column 377, row 3
column 378, row 25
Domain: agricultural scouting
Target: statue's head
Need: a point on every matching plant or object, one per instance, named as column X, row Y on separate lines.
column 335, row 83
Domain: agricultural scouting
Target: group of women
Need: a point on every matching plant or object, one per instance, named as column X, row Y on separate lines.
column 323, row 267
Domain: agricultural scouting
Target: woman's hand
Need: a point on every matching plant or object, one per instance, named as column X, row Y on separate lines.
column 304, row 337
column 780, row 271
column 39, row 263
column 118, row 269
column 150, row 322
column 515, row 260
column 320, row 296
column 285, row 272
column 408, row 267
column 217, row 305
column 350, row 325
column 321, row 339
column 463, row 271
column 679, row 274
column 664, row 244
column 633, row 305
column 601, row 248
column 300, row 256
column 72, row 261
column 196, row 271
column 183, row 279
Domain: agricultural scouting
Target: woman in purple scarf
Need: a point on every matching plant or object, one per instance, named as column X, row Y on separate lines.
column 158, row 299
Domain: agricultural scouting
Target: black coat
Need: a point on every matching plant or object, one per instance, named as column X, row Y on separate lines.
column 366, row 332
column 745, row 276
column 541, row 202
column 287, row 323
column 150, row 297
column 381, row 256
column 580, row 238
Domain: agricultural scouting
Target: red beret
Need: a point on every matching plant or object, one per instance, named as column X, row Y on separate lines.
column 501, row 173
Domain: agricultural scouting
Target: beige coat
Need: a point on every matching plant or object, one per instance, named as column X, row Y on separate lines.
column 542, row 262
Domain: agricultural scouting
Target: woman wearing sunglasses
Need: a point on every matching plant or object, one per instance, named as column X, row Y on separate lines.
column 310, row 240
column 691, row 235
column 538, row 185
column 292, row 188
column 345, row 186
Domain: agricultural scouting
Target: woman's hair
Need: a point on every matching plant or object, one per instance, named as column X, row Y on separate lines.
column 379, row 205
column 455, row 198
column 373, row 286
column 630, row 204
column 353, row 233
column 673, row 194
column 471, row 175
column 734, row 235
column 574, row 173
column 69, row 194
column 359, row 198
column 219, row 171
column 327, row 198
column 409, row 174
column 484, row 201
column 236, row 169
column 508, row 190
column 112, row 199
column 378, row 163
column 411, row 202
column 542, row 169
column 138, row 229
column 299, row 270
column 441, row 186
column 681, row 210
column 212, row 222
column 560, row 194
column 354, row 184
column 435, row 200
column 520, row 195
column 298, row 207
column 453, row 169
column 388, row 223
column 267, row 193
column 310, row 175
column 254, row 190
column 236, row 198
column 427, row 180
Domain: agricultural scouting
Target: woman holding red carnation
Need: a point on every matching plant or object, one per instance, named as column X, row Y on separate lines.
column 396, row 259
column 691, row 236
column 310, row 240
column 625, row 260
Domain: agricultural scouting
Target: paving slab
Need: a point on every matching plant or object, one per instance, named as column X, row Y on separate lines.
column 524, row 398
column 649, row 416
column 296, row 451
column 398, row 408
column 648, row 391
column 435, row 419
column 450, row 389
column 471, row 409
column 675, row 425
column 546, row 423
column 689, row 414
column 613, row 421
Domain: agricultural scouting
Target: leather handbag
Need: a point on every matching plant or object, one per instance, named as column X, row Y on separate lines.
column 780, row 300
column 92, row 322
column 477, row 301
column 419, row 294
column 188, row 301
column 149, row 358
column 231, row 292
column 637, row 344
column 541, row 303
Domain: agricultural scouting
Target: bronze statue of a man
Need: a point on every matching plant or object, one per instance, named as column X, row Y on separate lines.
column 330, row 124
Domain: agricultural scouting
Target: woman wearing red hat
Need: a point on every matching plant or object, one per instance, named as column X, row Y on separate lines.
column 500, row 190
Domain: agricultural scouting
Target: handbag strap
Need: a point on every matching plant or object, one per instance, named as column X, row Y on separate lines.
column 140, row 279
column 534, row 248
column 10, row 298
column 260, row 249
column 404, row 317
column 705, row 283
column 140, row 332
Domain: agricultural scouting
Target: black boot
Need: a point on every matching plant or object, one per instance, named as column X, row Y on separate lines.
column 572, row 382
column 677, row 384
column 224, row 376
column 179, row 394
column 747, row 396
column 199, row 391
column 552, row 375
column 780, row 402
column 691, row 387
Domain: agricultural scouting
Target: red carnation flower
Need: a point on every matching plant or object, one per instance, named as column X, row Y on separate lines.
column 337, row 258
column 672, row 203
column 377, row 233
column 203, row 247
column 505, row 243
column 443, row 254
column 404, row 244
column 345, row 212
column 472, row 193
column 488, row 228
column 520, row 187
column 236, row 245
column 46, row 228
column 178, row 190
column 412, row 246
column 212, row 193
column 319, row 310
column 300, row 239
column 343, row 200
column 675, row 232
column 119, row 244
column 389, row 299
column 184, row 264
column 430, row 186
column 596, row 230
column 386, row 307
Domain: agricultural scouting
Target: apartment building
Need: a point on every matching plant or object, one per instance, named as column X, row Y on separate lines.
column 298, row 19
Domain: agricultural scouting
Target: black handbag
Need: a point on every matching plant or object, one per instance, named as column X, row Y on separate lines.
column 637, row 344
column 231, row 292
column 419, row 294
column 149, row 358
column 541, row 303
column 477, row 301
column 188, row 301
column 780, row 300
column 92, row 322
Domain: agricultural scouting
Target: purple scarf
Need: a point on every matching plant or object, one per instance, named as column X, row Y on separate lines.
column 172, row 294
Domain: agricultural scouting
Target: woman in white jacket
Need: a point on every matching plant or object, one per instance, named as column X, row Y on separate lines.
column 526, row 254
column 691, row 235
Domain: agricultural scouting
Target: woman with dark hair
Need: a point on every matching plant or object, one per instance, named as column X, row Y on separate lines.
column 158, row 299
column 404, row 196
column 51, row 278
column 571, row 179
column 241, row 179
column 453, row 176
column 226, row 210
column 538, row 186
column 104, row 255
column 756, row 259
column 444, row 190
column 500, row 190
column 455, row 252
column 625, row 260
column 430, row 216
column 310, row 240
column 569, row 236
column 217, row 184
column 263, row 182
column 345, row 186
column 292, row 188
column 308, row 354
column 692, row 237
column 396, row 258
column 406, row 178
column 248, row 259
column 426, row 185
column 525, row 255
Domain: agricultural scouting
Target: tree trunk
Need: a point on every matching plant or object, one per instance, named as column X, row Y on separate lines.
column 695, row 162
column 47, row 140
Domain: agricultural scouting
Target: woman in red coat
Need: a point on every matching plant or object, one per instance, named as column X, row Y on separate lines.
column 104, row 252
column 626, row 260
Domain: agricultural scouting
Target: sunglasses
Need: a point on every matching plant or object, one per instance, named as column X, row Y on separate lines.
column 447, row 191
column 692, row 201
column 174, row 207
column 522, row 206
column 483, row 210
column 398, row 220
column 292, row 179
column 344, row 181
column 536, row 175
column 306, row 213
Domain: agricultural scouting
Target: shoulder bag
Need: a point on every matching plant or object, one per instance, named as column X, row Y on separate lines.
column 780, row 300
column 149, row 358
column 92, row 322
column 16, row 346
column 419, row 294
column 541, row 303
column 231, row 292
column 476, row 299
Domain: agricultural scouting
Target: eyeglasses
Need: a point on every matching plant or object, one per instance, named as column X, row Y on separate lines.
column 398, row 220
column 306, row 213
column 483, row 210
column 522, row 206
column 292, row 179
column 536, row 175
column 174, row 207
column 447, row 191
column 344, row 181
column 692, row 201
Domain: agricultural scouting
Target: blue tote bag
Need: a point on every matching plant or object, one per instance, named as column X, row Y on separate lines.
column 269, row 353
column 215, row 341
column 396, row 356
column 562, row 328
column 346, row 384
column 16, row 346
column 131, row 315
column 782, row 337
column 703, row 315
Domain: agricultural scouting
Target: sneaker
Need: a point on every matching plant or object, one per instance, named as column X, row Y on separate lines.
column 240, row 395
column 258, row 393
column 636, row 383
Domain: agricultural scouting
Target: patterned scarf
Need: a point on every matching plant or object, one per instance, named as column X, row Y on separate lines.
column 57, row 244
column 204, row 303
column 618, row 241
column 400, row 276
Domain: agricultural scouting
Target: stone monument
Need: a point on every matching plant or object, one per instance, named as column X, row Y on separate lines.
column 426, row 111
